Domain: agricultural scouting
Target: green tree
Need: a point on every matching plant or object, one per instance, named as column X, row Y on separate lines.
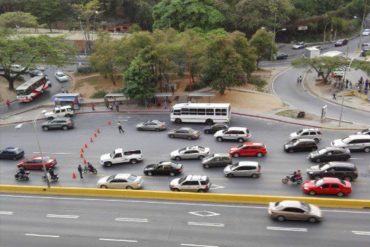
column 138, row 81
column 264, row 44
column 323, row 66
column 30, row 51
column 184, row 14
column 17, row 19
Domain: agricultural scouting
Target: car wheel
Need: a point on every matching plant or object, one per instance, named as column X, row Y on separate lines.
column 139, row 129
column 290, row 150
column 284, row 180
column 45, row 128
column 175, row 189
column 206, row 166
column 129, row 188
column 280, row 218
column 367, row 149
column 103, row 187
column 201, row 191
column 314, row 149
column 65, row 127
column 312, row 220
column 108, row 164
column 259, row 155
column 229, row 175
column 178, row 121
column 317, row 140
column 340, row 194
column 149, row 174
column 318, row 160
column 50, row 118
column 177, row 158
column 189, row 138
column 236, row 155
column 157, row 130
column 68, row 115
column 201, row 157
column 240, row 140
column 14, row 158
column 209, row 121
column 171, row 136
column 317, row 177
column 219, row 139
column 172, row 174
column 206, row 132
column 312, row 193
column 133, row 161
column 255, row 175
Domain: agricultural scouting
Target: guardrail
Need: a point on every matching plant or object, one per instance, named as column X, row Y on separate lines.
column 182, row 196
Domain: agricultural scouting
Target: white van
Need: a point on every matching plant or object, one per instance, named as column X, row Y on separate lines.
column 354, row 142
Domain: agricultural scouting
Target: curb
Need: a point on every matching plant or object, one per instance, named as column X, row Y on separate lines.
column 182, row 196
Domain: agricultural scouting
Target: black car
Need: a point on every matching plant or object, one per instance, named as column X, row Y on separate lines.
column 58, row 123
column 330, row 154
column 341, row 42
column 341, row 170
column 167, row 168
column 11, row 153
column 300, row 145
column 281, row 56
column 211, row 129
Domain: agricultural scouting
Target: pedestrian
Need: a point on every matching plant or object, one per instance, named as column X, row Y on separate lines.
column 120, row 130
column 334, row 96
column 117, row 107
column 92, row 106
column 79, row 168
column 350, row 85
column 347, row 83
column 7, row 103
column 172, row 88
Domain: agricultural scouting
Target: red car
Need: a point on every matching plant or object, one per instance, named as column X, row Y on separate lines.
column 327, row 186
column 248, row 149
column 35, row 163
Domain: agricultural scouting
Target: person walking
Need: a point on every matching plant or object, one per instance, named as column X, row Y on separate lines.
column 92, row 106
column 7, row 103
column 79, row 168
column 117, row 107
column 120, row 130
column 334, row 96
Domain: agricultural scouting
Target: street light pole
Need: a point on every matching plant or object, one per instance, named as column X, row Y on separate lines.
column 342, row 104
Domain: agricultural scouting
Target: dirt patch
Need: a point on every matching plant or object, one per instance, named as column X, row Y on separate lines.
column 5, row 93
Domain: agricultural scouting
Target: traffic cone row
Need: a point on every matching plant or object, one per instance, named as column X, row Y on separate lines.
column 82, row 151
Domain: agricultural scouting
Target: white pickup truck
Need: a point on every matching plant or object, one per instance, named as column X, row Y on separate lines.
column 118, row 156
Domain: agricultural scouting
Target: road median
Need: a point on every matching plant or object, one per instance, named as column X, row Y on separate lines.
column 183, row 196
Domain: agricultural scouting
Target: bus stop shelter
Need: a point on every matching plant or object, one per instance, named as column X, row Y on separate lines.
column 114, row 98
column 72, row 99
column 164, row 96
column 200, row 95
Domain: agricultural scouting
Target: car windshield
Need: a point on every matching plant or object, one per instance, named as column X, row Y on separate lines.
column 240, row 146
column 324, row 167
column 342, row 182
column 306, row 207
column 322, row 151
column 235, row 165
column 59, row 74
column 299, row 132
column 319, row 182
column 346, row 140
column 110, row 178
column 200, row 148
column 182, row 180
column 131, row 178
column 182, row 149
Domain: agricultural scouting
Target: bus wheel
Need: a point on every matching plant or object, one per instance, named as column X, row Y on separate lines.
column 209, row 121
column 178, row 120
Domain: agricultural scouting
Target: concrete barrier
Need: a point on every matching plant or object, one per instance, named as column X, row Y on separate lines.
column 182, row 196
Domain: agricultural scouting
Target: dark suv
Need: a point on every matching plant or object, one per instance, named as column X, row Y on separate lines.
column 12, row 153
column 58, row 123
column 300, row 145
column 341, row 170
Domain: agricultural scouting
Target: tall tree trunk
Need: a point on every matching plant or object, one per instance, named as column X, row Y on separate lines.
column 10, row 83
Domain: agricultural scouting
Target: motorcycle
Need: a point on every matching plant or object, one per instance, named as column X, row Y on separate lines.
column 89, row 169
column 52, row 179
column 22, row 177
column 290, row 178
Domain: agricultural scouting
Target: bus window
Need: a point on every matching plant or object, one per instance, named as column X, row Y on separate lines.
column 193, row 112
column 210, row 112
column 177, row 112
column 184, row 111
column 201, row 111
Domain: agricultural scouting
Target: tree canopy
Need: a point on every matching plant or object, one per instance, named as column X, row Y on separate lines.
column 17, row 19
column 264, row 43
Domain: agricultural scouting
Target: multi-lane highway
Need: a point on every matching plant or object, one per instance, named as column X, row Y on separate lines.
column 64, row 221
column 156, row 146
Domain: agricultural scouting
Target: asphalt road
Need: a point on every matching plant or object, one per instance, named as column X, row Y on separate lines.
column 65, row 146
column 61, row 221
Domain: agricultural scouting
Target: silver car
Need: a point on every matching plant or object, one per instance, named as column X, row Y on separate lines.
column 192, row 152
column 151, row 125
column 243, row 169
column 121, row 181
column 185, row 133
column 240, row 134
column 314, row 134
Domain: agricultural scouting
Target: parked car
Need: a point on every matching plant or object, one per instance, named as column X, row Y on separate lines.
column 58, row 123
column 330, row 154
column 282, row 56
column 327, row 186
column 243, row 169
column 294, row 210
column 37, row 163
column 35, row 72
column 191, row 152
column 193, row 183
column 354, row 142
column 366, row 32
column 299, row 45
column 217, row 160
column 365, row 51
column 61, row 76
column 185, row 133
column 364, row 132
column 248, row 149
column 341, row 170
column 16, row 68
column 240, row 134
column 59, row 112
column 166, row 168
column 153, row 125
column 121, row 181
column 11, row 153
column 341, row 42
column 314, row 134
column 211, row 129
column 300, row 145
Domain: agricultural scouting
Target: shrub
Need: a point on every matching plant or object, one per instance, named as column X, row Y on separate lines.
column 258, row 82
column 99, row 94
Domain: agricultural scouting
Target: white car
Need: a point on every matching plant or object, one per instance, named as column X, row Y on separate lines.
column 314, row 134
column 16, row 68
column 192, row 183
column 121, row 181
column 299, row 45
column 240, row 134
column 61, row 77
column 192, row 152
column 60, row 111
column 366, row 32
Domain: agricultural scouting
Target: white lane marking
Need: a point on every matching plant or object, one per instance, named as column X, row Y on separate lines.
column 361, row 233
column 273, row 228
column 62, row 216
column 41, row 235
column 6, row 213
column 357, row 158
column 132, row 220
column 165, row 203
column 118, row 240
column 204, row 213
column 198, row 245
column 215, row 186
column 192, row 223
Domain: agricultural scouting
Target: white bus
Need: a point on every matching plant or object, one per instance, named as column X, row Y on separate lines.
column 32, row 88
column 208, row 113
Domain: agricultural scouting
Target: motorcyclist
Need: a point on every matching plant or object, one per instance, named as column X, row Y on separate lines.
column 21, row 172
column 52, row 174
column 297, row 175
column 90, row 167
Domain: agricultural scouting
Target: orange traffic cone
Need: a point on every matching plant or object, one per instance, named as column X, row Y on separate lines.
column 81, row 150
column 109, row 123
column 85, row 145
column 85, row 161
column 73, row 175
column 95, row 135
column 81, row 155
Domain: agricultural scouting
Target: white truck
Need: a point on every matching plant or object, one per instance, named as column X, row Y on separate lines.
column 118, row 156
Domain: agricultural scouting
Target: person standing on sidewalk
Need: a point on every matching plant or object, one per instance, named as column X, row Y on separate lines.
column 79, row 168
column 334, row 96
column 7, row 102
column 92, row 106
column 120, row 130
